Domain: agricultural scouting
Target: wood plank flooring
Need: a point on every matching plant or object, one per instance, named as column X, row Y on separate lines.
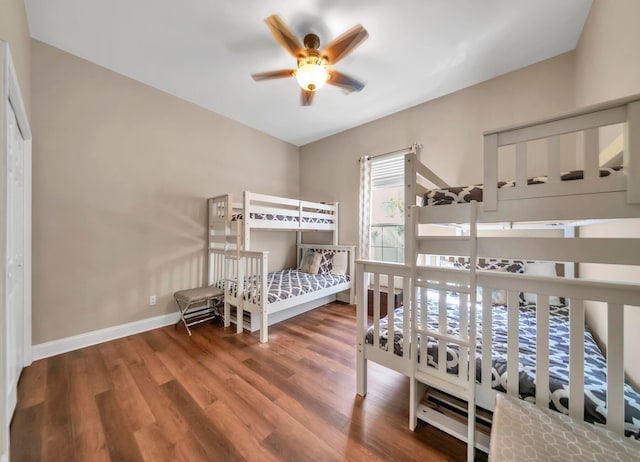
column 162, row 395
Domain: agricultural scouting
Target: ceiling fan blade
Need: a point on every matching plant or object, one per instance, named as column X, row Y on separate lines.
column 273, row 75
column 344, row 81
column 343, row 45
column 306, row 97
column 284, row 36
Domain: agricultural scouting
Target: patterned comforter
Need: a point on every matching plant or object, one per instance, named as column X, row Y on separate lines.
column 595, row 364
column 462, row 194
column 287, row 218
column 288, row 283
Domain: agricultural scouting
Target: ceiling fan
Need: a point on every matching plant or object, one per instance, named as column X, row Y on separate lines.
column 313, row 71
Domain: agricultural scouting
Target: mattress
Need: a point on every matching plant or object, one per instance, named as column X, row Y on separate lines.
column 522, row 431
column 284, row 218
column 595, row 363
column 462, row 194
column 287, row 284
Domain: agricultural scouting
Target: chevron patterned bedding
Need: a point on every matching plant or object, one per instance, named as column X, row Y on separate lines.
column 290, row 283
column 595, row 363
column 462, row 194
column 286, row 218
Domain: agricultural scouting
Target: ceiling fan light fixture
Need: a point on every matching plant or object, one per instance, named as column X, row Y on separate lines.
column 312, row 77
column 311, row 72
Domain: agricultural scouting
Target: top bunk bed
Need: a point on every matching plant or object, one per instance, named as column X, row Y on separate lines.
column 596, row 191
column 230, row 223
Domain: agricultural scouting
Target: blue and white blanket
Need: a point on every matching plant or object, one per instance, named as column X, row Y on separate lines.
column 286, row 284
column 595, row 366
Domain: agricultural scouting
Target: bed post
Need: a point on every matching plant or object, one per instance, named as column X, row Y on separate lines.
column 471, row 403
column 352, row 275
column 631, row 153
column 417, row 389
column 264, row 294
column 410, row 194
column 336, row 222
column 228, row 216
column 209, row 256
column 361, row 328
column 246, row 234
column 241, row 262
column 490, row 193
column 227, row 262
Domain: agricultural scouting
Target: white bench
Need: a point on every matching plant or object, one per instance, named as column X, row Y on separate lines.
column 189, row 303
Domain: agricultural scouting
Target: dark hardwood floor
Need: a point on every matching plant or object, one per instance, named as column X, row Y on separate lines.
column 162, row 395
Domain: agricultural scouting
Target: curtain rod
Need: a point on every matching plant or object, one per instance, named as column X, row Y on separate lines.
column 411, row 149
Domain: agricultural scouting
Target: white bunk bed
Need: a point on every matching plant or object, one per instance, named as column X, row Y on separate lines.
column 428, row 314
column 254, row 297
column 230, row 223
column 278, row 295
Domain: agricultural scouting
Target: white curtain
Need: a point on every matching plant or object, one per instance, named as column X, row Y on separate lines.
column 364, row 225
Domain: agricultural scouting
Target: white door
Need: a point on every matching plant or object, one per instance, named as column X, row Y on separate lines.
column 15, row 252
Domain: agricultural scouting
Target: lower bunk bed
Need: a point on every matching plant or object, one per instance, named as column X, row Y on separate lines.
column 539, row 336
column 324, row 271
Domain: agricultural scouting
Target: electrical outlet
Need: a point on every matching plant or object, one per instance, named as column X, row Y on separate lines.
column 152, row 300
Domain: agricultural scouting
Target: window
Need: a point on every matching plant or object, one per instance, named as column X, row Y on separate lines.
column 387, row 209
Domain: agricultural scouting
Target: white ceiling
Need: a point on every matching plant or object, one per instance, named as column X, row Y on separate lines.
column 205, row 50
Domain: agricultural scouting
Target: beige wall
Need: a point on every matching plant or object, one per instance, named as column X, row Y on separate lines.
column 607, row 64
column 121, row 173
column 607, row 67
column 14, row 30
column 450, row 128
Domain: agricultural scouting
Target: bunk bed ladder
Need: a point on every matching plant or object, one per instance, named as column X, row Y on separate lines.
column 425, row 377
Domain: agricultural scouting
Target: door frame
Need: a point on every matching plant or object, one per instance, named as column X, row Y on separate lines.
column 11, row 94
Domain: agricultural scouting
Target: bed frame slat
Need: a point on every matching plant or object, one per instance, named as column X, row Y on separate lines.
column 576, row 359
column 463, row 333
column 490, row 193
column 553, row 159
column 406, row 314
column 487, row 325
column 622, row 251
column 376, row 309
column 391, row 284
column 542, row 351
column 421, row 311
column 521, row 165
column 562, row 126
column 513, row 342
column 442, row 328
column 632, row 145
column 591, row 153
column 615, row 368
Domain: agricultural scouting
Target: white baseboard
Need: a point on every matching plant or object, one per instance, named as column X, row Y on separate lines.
column 55, row 347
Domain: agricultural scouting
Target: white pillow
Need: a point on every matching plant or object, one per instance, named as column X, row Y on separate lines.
column 310, row 262
column 315, row 265
column 305, row 261
column 540, row 269
column 340, row 263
